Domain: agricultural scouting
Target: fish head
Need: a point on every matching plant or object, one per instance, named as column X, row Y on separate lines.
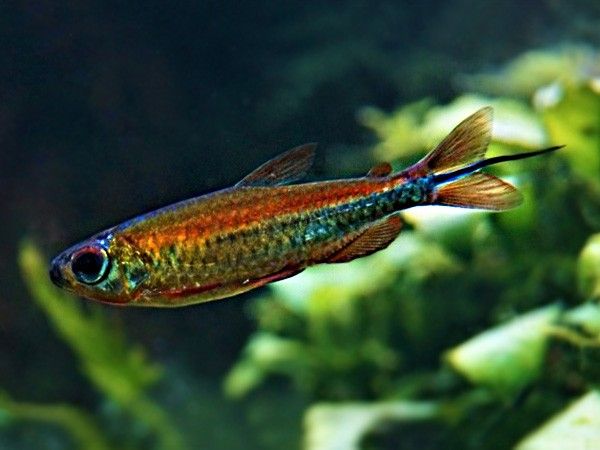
column 99, row 268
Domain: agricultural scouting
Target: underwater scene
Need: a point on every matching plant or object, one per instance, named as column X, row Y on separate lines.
column 384, row 231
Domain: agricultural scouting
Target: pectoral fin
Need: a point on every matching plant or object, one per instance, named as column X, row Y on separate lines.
column 375, row 238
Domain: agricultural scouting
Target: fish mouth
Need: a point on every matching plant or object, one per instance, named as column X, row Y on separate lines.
column 56, row 274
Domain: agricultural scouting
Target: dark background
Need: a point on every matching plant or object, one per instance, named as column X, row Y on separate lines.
column 108, row 110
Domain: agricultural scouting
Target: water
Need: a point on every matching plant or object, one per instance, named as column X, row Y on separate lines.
column 109, row 111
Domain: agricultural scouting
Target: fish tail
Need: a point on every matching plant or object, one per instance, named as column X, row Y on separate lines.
column 454, row 168
column 469, row 188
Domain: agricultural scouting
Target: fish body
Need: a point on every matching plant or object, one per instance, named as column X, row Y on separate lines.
column 266, row 228
column 233, row 240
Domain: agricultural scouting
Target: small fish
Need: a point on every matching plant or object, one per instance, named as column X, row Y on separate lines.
column 266, row 228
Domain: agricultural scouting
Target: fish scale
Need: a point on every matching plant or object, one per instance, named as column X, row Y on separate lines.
column 285, row 236
column 241, row 250
column 266, row 227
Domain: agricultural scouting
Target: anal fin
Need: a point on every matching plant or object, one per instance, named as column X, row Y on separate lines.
column 277, row 276
column 375, row 238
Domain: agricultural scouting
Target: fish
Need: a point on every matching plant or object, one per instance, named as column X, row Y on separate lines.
column 270, row 226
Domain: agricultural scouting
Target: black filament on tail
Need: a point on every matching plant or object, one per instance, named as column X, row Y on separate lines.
column 456, row 174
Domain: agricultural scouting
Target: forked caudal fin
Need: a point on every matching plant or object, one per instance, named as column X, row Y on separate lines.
column 455, row 163
column 468, row 188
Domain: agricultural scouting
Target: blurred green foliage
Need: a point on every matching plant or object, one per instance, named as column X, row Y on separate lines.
column 578, row 426
column 565, row 65
column 467, row 285
column 588, row 268
column 84, row 431
column 508, row 357
column 471, row 331
column 118, row 370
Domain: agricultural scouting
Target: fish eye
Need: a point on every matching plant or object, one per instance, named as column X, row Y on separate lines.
column 90, row 265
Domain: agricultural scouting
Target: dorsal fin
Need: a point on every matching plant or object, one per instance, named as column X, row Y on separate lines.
column 466, row 143
column 285, row 168
column 380, row 170
column 375, row 238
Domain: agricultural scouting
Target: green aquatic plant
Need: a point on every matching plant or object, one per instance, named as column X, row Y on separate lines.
column 526, row 73
column 508, row 357
column 588, row 268
column 343, row 346
column 117, row 369
column 343, row 426
column 577, row 426
column 78, row 424
column 573, row 116
column 563, row 84
column 411, row 130
column 401, row 134
column 492, row 318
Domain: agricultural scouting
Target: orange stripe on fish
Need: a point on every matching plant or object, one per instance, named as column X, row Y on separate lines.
column 268, row 227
